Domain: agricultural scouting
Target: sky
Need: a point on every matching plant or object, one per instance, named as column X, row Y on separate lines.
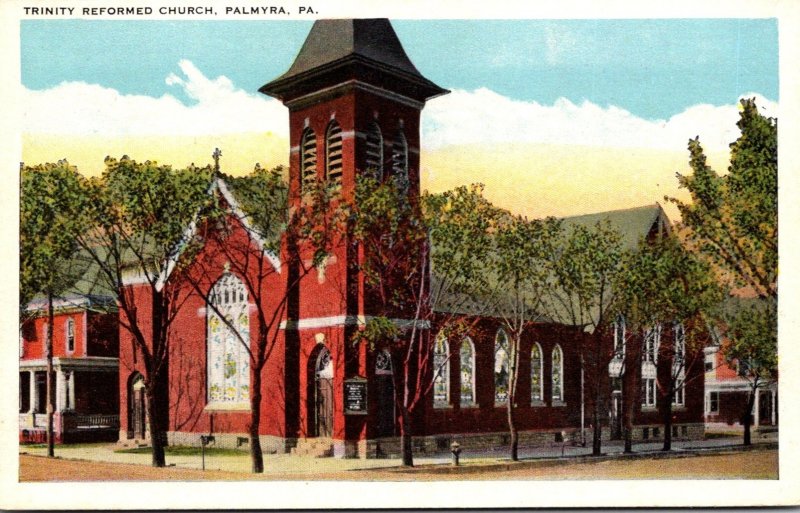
column 556, row 117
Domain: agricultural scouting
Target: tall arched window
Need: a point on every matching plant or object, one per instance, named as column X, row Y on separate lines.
column 400, row 160
column 308, row 157
column 619, row 337
column 374, row 152
column 678, row 365
column 333, row 153
column 228, row 325
column 441, row 368
column 501, row 373
column 558, row 374
column 467, row 359
column 537, row 393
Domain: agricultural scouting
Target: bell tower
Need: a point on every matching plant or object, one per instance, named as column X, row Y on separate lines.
column 354, row 101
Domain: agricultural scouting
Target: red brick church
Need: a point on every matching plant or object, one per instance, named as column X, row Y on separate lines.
column 354, row 101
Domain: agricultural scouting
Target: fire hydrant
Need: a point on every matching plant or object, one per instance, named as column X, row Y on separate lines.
column 455, row 449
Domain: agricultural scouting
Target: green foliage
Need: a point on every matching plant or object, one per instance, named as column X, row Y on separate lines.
column 663, row 282
column 585, row 265
column 753, row 340
column 733, row 219
column 377, row 331
column 520, row 258
column 52, row 206
column 263, row 196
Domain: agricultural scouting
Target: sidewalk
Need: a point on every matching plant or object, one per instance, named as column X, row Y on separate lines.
column 277, row 464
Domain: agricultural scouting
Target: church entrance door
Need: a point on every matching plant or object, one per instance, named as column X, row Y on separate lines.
column 324, row 394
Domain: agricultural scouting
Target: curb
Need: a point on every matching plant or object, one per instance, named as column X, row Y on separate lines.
column 444, row 468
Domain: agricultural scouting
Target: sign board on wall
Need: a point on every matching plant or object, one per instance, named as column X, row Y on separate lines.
column 355, row 396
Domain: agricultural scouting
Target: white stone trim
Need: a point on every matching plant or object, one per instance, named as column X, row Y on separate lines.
column 345, row 320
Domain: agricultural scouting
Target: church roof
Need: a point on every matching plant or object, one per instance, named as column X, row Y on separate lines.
column 332, row 45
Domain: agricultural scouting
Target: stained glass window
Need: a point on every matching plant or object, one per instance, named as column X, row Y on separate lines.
column 558, row 374
column 536, row 374
column 501, row 373
column 227, row 358
column 467, row 359
column 441, row 368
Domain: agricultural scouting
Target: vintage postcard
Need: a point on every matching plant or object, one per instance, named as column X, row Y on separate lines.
column 314, row 255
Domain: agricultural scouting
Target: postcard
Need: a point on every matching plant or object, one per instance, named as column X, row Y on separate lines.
column 305, row 255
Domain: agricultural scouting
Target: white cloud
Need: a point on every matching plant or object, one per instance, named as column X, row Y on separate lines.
column 483, row 116
column 462, row 117
column 79, row 108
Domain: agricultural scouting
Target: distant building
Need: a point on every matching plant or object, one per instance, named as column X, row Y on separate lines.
column 85, row 360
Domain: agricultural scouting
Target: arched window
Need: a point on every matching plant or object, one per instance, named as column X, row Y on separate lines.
column 652, row 341
column 678, row 366
column 619, row 337
column 501, row 373
column 228, row 328
column 441, row 369
column 400, row 160
column 69, row 331
column 558, row 374
column 537, row 394
column 308, row 157
column 333, row 153
column 467, row 359
column 374, row 152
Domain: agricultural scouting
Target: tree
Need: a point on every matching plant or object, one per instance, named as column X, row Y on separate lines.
column 585, row 267
column 733, row 219
column 522, row 277
column 423, row 260
column 139, row 214
column 51, row 207
column 664, row 285
column 252, row 231
column 733, row 223
column 753, row 345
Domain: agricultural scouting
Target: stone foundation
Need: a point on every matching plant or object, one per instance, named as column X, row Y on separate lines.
column 237, row 441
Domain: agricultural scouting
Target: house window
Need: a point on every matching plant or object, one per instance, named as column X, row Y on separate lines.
column 228, row 330
column 537, row 395
column 400, row 160
column 713, row 402
column 308, row 157
column 333, row 153
column 619, row 337
column 501, row 373
column 649, row 392
column 679, row 397
column 374, row 152
column 467, row 360
column 558, row 374
column 652, row 340
column 441, row 368
column 70, row 335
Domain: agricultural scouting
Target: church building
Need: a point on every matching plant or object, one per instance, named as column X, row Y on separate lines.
column 354, row 100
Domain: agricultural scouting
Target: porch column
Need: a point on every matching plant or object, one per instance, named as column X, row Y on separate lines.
column 71, row 390
column 60, row 390
column 756, row 407
column 33, row 392
column 772, row 410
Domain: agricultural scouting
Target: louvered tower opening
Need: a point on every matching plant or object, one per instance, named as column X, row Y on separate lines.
column 374, row 152
column 308, row 157
column 400, row 160
column 334, row 153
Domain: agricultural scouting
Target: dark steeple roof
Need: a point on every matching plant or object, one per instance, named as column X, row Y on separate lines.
column 365, row 49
